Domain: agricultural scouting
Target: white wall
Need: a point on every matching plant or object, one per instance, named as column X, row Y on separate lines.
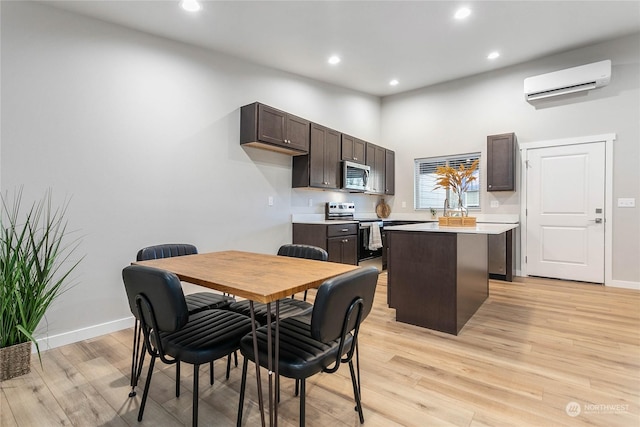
column 143, row 134
column 456, row 117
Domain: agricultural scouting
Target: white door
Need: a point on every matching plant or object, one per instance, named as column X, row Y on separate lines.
column 565, row 212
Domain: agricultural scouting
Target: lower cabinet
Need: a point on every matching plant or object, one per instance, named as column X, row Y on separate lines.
column 339, row 240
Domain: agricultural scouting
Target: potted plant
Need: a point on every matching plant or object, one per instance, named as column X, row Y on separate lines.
column 456, row 180
column 35, row 265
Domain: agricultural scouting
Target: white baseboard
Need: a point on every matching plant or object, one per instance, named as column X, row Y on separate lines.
column 624, row 284
column 70, row 337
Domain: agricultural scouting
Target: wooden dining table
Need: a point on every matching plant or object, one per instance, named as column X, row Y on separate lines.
column 259, row 278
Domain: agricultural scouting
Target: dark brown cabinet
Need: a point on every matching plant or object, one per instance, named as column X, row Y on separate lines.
column 321, row 167
column 339, row 240
column 266, row 127
column 389, row 172
column 501, row 153
column 377, row 162
column 353, row 149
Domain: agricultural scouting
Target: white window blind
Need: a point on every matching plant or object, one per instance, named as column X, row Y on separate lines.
column 425, row 180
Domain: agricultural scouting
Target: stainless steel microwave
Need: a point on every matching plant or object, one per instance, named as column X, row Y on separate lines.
column 355, row 177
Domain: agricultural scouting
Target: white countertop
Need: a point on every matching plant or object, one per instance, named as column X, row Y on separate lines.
column 480, row 218
column 433, row 227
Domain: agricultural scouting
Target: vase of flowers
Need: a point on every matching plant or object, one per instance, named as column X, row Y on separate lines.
column 458, row 181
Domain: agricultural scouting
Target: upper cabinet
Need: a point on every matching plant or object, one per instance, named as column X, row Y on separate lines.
column 321, row 167
column 501, row 152
column 389, row 172
column 266, row 127
column 377, row 162
column 353, row 149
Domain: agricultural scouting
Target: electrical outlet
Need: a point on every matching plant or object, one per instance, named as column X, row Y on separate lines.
column 270, row 201
column 404, row 204
column 628, row 202
column 310, row 203
column 495, row 204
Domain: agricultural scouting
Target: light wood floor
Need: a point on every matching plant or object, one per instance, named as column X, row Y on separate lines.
column 534, row 347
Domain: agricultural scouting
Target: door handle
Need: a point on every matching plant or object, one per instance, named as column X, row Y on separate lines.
column 597, row 220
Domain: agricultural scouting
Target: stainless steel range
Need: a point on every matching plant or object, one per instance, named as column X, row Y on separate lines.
column 369, row 240
column 340, row 210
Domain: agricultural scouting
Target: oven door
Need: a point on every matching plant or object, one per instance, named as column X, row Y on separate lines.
column 364, row 238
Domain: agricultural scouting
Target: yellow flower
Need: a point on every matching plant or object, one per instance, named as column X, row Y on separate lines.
column 456, row 180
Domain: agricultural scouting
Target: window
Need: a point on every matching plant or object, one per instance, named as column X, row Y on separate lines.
column 425, row 179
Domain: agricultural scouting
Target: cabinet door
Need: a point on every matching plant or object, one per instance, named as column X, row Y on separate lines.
column 353, row 149
column 376, row 161
column 324, row 157
column 332, row 159
column 297, row 133
column 390, row 172
column 343, row 249
column 501, row 162
column 359, row 148
column 350, row 250
column 271, row 125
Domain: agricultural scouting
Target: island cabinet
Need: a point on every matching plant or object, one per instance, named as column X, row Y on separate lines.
column 436, row 280
column 353, row 149
column 389, row 172
column 265, row 127
column 377, row 162
column 339, row 240
column 321, row 167
column 438, row 276
column 501, row 157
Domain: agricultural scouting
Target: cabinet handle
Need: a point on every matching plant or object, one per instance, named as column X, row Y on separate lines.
column 344, row 230
column 355, row 158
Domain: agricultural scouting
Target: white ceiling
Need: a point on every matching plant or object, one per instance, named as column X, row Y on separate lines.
column 417, row 42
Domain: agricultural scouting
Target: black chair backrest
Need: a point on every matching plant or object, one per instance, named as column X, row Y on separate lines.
column 303, row 251
column 166, row 251
column 334, row 298
column 163, row 291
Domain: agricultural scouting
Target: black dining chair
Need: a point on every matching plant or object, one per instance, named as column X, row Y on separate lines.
column 320, row 342
column 196, row 302
column 173, row 334
column 288, row 306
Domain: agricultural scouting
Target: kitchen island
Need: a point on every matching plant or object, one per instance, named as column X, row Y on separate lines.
column 438, row 276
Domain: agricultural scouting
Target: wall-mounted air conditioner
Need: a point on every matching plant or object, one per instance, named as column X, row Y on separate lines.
column 576, row 79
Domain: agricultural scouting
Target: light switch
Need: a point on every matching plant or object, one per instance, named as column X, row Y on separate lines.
column 270, row 202
column 629, row 202
column 404, row 204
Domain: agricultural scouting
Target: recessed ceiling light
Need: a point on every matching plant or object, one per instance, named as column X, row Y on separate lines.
column 493, row 55
column 394, row 82
column 190, row 5
column 462, row 13
column 334, row 60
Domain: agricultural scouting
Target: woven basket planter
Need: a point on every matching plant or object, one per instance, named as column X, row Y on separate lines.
column 15, row 360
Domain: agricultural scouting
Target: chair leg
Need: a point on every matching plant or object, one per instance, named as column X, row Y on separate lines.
column 178, row 378
column 228, row 365
column 302, row 402
column 211, row 373
column 146, row 388
column 297, row 387
column 196, row 382
column 356, row 392
column 235, row 356
column 243, row 385
column 137, row 356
